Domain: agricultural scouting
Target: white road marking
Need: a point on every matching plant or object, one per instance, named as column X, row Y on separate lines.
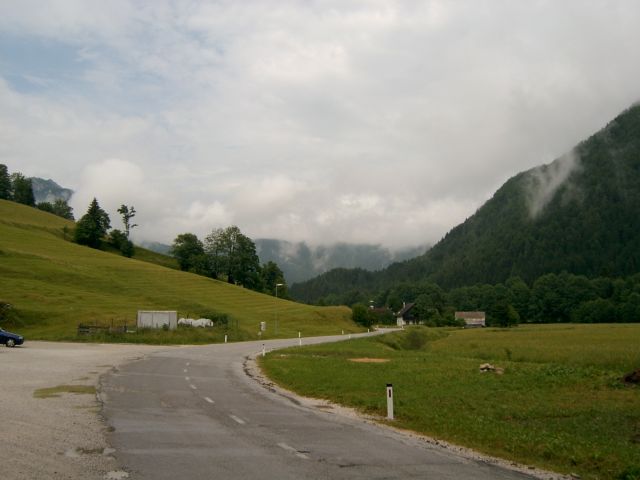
column 193, row 387
column 188, row 364
column 237, row 419
column 289, row 448
column 185, row 370
column 209, row 400
column 187, row 378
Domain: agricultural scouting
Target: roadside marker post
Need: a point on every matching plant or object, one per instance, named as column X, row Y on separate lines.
column 300, row 339
column 225, row 339
column 389, row 401
column 264, row 350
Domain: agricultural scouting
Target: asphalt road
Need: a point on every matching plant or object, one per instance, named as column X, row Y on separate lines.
column 193, row 413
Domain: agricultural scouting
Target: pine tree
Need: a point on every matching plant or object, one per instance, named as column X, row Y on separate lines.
column 93, row 226
column 5, row 183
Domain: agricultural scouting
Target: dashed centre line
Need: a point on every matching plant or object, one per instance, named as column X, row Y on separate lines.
column 289, row 448
column 237, row 419
column 187, row 378
column 193, row 387
column 209, row 400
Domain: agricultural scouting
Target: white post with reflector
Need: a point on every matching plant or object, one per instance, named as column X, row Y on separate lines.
column 389, row 401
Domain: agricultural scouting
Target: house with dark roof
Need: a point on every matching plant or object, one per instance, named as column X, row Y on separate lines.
column 405, row 317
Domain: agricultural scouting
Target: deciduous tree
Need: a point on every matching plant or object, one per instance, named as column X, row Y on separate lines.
column 271, row 276
column 188, row 250
column 233, row 255
column 22, row 190
column 127, row 214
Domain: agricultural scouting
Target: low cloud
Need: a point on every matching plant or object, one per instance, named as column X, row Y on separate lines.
column 543, row 182
column 376, row 122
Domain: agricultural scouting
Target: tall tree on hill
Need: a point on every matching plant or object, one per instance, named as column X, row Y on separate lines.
column 189, row 252
column 233, row 254
column 93, row 226
column 272, row 278
column 127, row 214
column 5, row 183
column 22, row 190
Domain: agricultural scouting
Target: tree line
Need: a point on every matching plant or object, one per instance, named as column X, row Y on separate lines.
column 551, row 298
column 92, row 229
column 229, row 255
column 17, row 188
column 225, row 254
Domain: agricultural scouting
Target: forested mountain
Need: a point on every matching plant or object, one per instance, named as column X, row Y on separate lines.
column 578, row 214
column 300, row 262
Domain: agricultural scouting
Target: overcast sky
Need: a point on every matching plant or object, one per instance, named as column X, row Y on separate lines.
column 360, row 121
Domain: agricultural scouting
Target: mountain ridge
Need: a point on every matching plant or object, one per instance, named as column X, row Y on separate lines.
column 576, row 214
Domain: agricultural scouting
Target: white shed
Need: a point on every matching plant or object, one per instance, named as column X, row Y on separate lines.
column 157, row 319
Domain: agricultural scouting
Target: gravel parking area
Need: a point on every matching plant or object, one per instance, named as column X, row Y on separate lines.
column 55, row 434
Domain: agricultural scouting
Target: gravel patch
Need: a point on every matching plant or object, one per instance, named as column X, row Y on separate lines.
column 58, row 436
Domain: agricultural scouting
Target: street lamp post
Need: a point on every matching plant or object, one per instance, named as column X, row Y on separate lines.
column 277, row 285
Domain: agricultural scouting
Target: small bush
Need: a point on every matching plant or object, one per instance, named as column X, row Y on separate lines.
column 415, row 338
column 218, row 319
column 631, row 473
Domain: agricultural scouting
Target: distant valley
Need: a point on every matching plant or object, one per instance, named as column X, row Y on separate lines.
column 300, row 262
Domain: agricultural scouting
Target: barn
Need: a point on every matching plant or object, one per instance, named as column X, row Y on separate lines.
column 472, row 319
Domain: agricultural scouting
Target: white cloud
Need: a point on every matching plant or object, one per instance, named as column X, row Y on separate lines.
column 382, row 122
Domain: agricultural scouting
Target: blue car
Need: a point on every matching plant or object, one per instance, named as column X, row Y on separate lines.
column 10, row 339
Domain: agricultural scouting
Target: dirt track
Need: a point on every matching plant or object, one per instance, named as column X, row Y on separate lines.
column 56, row 437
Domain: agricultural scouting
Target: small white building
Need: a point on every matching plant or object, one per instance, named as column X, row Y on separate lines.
column 472, row 319
column 157, row 319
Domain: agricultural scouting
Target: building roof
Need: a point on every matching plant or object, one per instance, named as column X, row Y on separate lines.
column 470, row 315
column 405, row 309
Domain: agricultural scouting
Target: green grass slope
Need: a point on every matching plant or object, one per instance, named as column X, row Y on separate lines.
column 54, row 284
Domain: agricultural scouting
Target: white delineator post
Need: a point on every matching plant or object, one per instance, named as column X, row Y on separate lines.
column 389, row 401
column 225, row 339
column 300, row 338
column 264, row 350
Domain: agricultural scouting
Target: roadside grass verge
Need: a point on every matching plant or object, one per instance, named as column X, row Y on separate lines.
column 53, row 392
column 53, row 285
column 559, row 405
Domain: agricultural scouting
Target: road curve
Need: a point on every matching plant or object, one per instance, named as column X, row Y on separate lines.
column 193, row 413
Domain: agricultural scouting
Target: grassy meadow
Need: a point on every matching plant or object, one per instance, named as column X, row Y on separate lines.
column 560, row 403
column 54, row 284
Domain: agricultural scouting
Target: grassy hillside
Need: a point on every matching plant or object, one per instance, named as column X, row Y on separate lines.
column 54, row 284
